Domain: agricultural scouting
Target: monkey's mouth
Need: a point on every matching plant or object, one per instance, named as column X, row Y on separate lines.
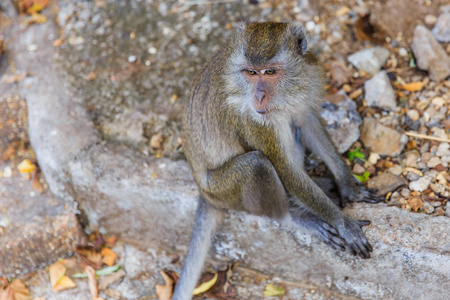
column 262, row 111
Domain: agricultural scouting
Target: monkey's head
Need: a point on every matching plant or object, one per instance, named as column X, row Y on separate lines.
column 270, row 72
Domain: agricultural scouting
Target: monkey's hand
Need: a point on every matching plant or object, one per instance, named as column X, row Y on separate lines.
column 354, row 191
column 355, row 240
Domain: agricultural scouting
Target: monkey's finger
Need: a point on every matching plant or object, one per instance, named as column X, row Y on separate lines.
column 362, row 223
column 371, row 198
column 330, row 229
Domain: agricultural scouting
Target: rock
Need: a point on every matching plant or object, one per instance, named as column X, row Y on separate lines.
column 369, row 60
column 421, row 184
column 379, row 92
column 447, row 209
column 381, row 139
column 358, row 169
column 442, row 28
column 440, row 189
column 342, row 121
column 412, row 176
column 429, row 54
column 411, row 159
column 396, row 170
column 433, row 162
column 443, row 150
column 430, row 19
column 427, row 208
column 386, row 182
column 413, row 114
column 405, row 192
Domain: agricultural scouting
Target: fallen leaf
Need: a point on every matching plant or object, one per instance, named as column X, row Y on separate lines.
column 9, row 151
column 19, row 289
column 36, row 184
column 91, row 76
column 102, row 272
column 32, row 6
column 222, row 289
column 57, row 42
column 57, row 271
column 111, row 240
column 36, row 18
column 205, row 286
column 91, row 256
column 6, row 293
column 366, row 31
column 271, row 290
column 413, row 86
column 92, row 281
column 415, row 203
column 8, row 79
column 164, row 292
column 108, row 279
column 109, row 256
column 26, row 167
column 64, row 283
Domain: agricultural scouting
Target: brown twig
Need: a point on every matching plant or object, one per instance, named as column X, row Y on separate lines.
column 426, row 137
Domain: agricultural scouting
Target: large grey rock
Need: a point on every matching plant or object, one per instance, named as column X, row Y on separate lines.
column 342, row 120
column 369, row 60
column 122, row 191
column 442, row 28
column 386, row 182
column 379, row 92
column 381, row 139
column 429, row 54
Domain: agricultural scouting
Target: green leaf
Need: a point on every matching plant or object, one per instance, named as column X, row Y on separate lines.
column 102, row 272
column 271, row 290
column 352, row 154
column 362, row 178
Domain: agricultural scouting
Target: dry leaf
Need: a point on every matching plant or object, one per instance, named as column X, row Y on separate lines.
column 91, row 256
column 365, row 31
column 205, row 286
column 36, row 18
column 64, row 283
column 9, row 151
column 222, row 289
column 26, row 167
column 19, row 289
column 109, row 256
column 91, row 76
column 108, row 279
column 164, row 292
column 92, row 281
column 415, row 203
column 6, row 293
column 57, row 271
column 111, row 240
column 57, row 42
column 13, row 78
column 413, row 86
column 36, row 184
column 271, row 290
column 32, row 6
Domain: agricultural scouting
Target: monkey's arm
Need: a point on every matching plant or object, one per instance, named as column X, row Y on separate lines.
column 206, row 221
column 318, row 140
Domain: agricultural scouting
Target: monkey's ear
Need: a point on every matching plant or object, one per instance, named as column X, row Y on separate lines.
column 301, row 43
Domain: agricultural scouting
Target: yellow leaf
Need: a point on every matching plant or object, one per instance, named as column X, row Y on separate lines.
column 109, row 256
column 164, row 292
column 64, row 283
column 271, row 290
column 205, row 286
column 57, row 271
column 413, row 86
column 92, row 281
column 36, row 18
column 26, row 167
column 20, row 290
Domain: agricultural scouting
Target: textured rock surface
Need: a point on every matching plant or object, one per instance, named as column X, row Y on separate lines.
column 386, row 182
column 429, row 54
column 375, row 135
column 442, row 28
column 379, row 92
column 369, row 60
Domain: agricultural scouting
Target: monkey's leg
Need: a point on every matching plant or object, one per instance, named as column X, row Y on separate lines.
column 318, row 140
column 206, row 220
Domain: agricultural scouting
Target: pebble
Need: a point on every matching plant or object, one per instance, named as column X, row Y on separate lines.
column 381, row 139
column 427, row 208
column 412, row 176
column 442, row 28
column 426, row 157
column 438, row 102
column 405, row 192
column 421, row 184
column 386, row 182
column 379, row 92
column 430, row 19
column 429, row 54
column 358, row 169
column 443, row 150
column 396, row 170
column 447, row 209
column 403, row 52
column 369, row 60
column 413, row 114
column 433, row 162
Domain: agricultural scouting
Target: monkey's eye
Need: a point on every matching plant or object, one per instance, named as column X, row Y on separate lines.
column 270, row 72
column 251, row 72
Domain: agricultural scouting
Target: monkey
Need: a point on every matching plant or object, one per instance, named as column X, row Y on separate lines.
column 252, row 111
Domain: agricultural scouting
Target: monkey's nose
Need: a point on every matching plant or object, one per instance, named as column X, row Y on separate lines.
column 260, row 95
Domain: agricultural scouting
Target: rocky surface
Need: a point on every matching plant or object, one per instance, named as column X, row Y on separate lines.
column 442, row 28
column 379, row 92
column 369, row 60
column 429, row 54
column 386, row 182
column 375, row 136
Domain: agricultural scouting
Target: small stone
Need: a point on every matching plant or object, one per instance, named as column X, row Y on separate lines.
column 443, row 150
column 435, row 203
column 405, row 192
column 430, row 19
column 427, row 208
column 369, row 60
column 386, row 182
column 421, row 184
column 358, row 169
column 132, row 58
column 447, row 209
column 396, row 170
column 156, row 141
column 438, row 102
column 403, row 52
column 426, row 157
column 433, row 162
column 429, row 54
column 413, row 114
column 439, row 211
column 379, row 92
column 373, row 158
column 440, row 189
column 411, row 159
column 442, row 28
column 412, row 176
column 381, row 139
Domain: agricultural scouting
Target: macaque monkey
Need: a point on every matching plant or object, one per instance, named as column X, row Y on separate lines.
column 247, row 107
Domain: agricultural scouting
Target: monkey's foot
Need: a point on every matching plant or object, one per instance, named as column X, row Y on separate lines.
column 358, row 193
column 355, row 240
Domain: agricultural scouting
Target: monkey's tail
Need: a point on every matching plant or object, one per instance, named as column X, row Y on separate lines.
column 207, row 220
